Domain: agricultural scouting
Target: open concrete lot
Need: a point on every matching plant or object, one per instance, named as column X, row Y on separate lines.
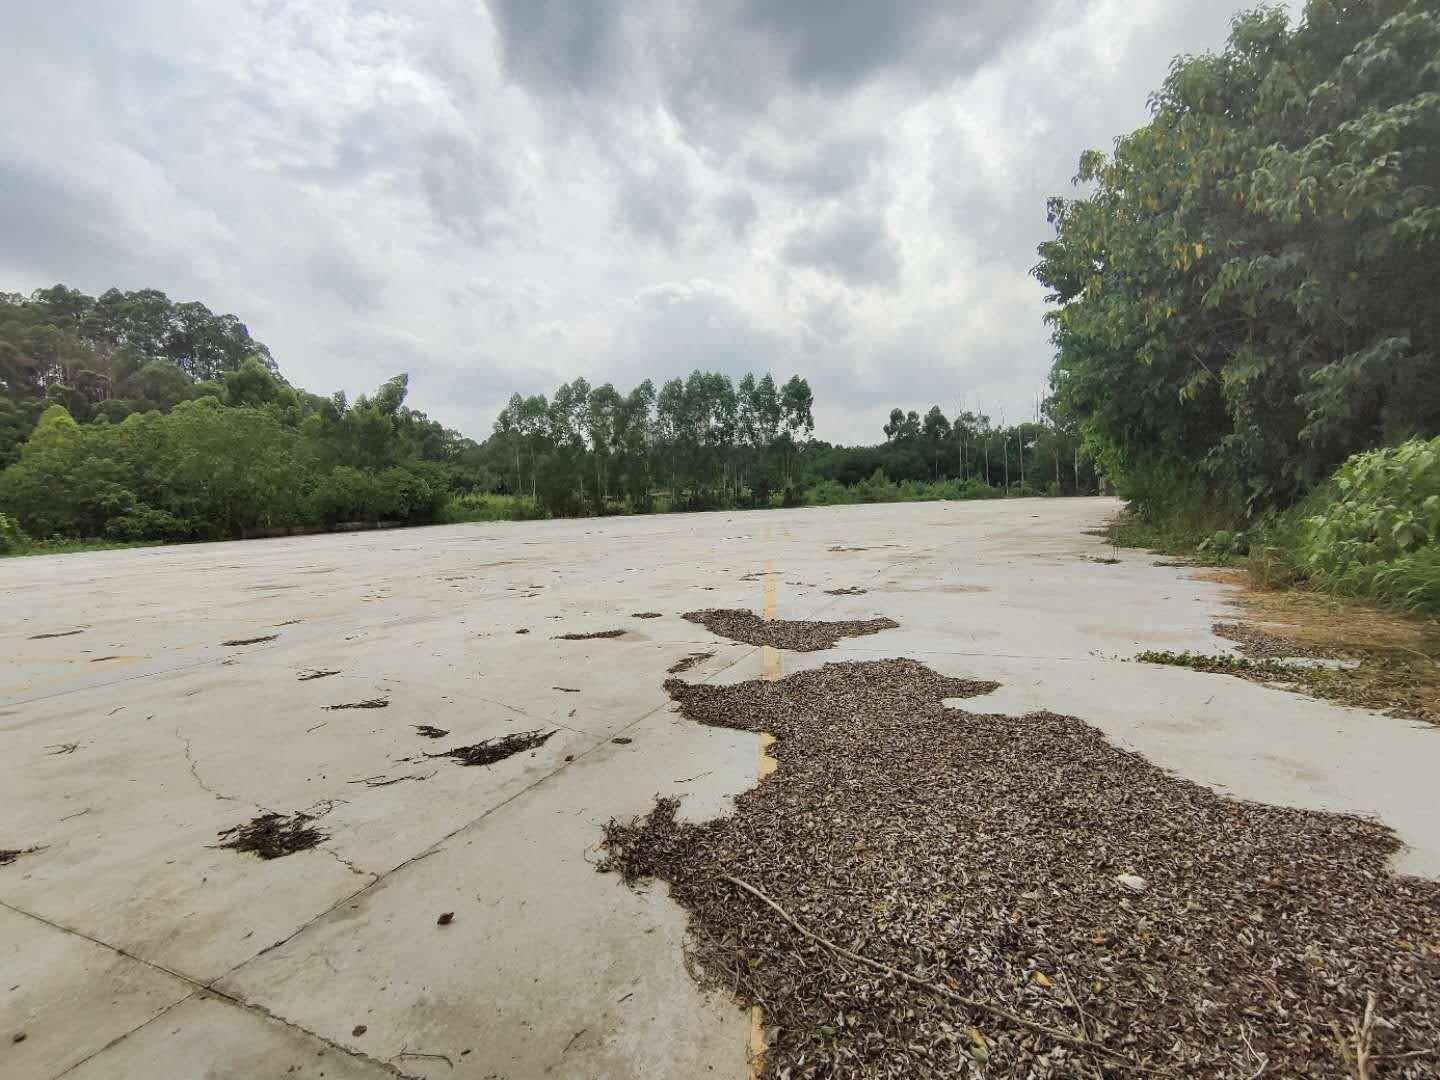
column 132, row 735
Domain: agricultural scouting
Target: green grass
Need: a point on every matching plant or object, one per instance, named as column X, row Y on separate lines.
column 70, row 547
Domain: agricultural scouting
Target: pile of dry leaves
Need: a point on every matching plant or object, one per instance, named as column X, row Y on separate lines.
column 797, row 635
column 958, row 894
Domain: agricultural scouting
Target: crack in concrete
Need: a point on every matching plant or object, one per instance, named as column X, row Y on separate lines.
column 195, row 772
column 201, row 990
column 348, row 864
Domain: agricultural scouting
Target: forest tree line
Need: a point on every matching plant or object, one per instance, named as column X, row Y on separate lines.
column 130, row 417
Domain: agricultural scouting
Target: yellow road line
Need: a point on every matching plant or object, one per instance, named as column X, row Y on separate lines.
column 769, row 657
column 757, row 1042
column 767, row 763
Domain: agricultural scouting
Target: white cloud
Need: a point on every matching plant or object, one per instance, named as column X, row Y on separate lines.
column 497, row 199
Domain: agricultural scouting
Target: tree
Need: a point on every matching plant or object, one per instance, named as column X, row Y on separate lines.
column 935, row 431
column 1244, row 295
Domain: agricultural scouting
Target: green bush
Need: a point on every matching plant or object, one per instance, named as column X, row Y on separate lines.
column 1373, row 530
column 483, row 506
column 12, row 539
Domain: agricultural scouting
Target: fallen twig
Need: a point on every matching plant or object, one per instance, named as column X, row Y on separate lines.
column 944, row 991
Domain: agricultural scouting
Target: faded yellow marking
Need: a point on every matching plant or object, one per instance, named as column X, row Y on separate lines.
column 769, row 657
column 767, row 763
column 757, row 1042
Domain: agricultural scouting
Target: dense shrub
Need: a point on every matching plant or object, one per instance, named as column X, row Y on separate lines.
column 1374, row 530
column 12, row 539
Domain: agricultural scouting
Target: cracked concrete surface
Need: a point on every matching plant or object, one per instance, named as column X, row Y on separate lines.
column 132, row 946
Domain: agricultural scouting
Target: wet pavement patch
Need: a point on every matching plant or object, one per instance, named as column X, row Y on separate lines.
column 272, row 836
column 924, row 891
column 591, row 636
column 797, row 635
column 306, row 676
column 685, row 663
column 368, row 703
column 490, row 751
column 249, row 640
column 430, row 732
column 9, row 855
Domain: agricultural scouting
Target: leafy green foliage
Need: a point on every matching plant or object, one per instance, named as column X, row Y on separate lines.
column 1375, row 529
column 1245, row 293
column 13, row 540
column 128, row 418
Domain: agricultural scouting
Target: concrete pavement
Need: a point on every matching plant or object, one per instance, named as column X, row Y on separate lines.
column 130, row 945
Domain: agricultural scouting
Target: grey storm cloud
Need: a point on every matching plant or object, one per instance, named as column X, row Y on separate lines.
column 856, row 248
column 500, row 196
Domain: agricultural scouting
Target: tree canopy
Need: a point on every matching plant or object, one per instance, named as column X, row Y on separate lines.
column 1244, row 289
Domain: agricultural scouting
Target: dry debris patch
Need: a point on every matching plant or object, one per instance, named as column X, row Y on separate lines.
column 307, row 676
column 368, row 703
column 797, row 635
column 923, row 891
column 57, row 633
column 429, row 731
column 9, row 855
column 272, row 835
column 249, row 640
column 647, row 615
column 685, row 663
column 1260, row 644
column 591, row 636
column 853, row 590
column 489, row 751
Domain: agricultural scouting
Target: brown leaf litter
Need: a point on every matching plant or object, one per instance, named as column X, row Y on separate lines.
column 272, row 836
column 685, row 663
column 958, row 894
column 9, row 855
column 489, row 751
column 797, row 635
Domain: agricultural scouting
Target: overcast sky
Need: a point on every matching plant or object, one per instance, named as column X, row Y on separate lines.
column 499, row 197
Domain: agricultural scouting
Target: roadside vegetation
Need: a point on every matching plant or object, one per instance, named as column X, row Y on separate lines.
column 130, row 419
column 1245, row 335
